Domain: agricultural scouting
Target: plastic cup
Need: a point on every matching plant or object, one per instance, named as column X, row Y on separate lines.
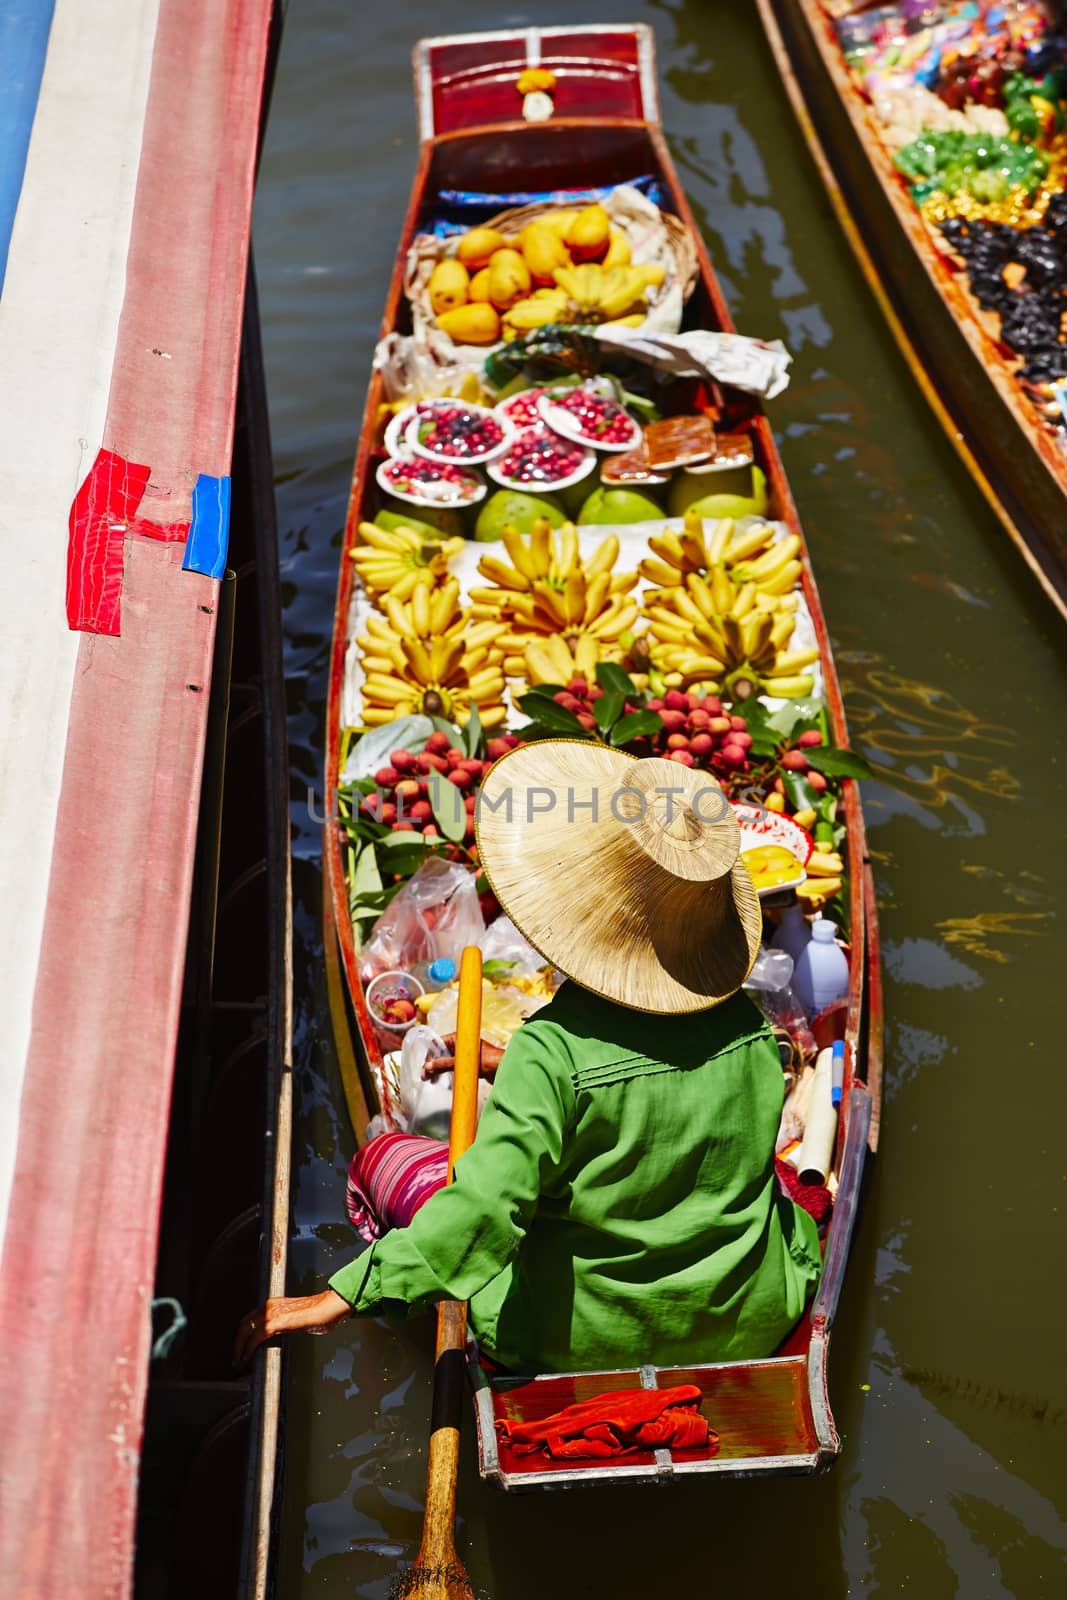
column 393, row 985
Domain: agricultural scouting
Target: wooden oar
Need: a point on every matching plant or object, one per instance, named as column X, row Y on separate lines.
column 437, row 1572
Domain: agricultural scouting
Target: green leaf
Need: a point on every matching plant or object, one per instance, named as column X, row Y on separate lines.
column 373, row 749
column 606, row 709
column 834, row 763
column 402, row 839
column 613, row 680
column 635, row 725
column 365, row 881
column 785, row 719
column 497, row 968
column 800, row 791
column 473, row 731
column 446, row 802
column 545, row 711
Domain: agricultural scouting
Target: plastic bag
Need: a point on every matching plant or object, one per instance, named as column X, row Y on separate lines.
column 502, row 1012
column 435, row 914
column 504, row 942
column 768, row 984
column 426, row 1103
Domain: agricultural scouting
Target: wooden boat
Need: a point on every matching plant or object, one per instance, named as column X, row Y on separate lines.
column 968, row 375
column 774, row 1415
column 145, row 921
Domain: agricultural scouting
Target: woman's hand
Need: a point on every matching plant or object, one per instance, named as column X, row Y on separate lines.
column 310, row 1313
column 491, row 1058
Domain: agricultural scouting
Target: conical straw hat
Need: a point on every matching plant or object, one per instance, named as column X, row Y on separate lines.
column 623, row 873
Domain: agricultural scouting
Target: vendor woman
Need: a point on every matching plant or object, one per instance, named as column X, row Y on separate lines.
column 619, row 1203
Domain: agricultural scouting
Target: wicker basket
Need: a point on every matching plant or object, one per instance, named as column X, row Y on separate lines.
column 511, row 223
column 654, row 234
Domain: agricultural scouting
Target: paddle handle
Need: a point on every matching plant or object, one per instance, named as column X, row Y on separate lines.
column 438, row 1550
column 468, row 1057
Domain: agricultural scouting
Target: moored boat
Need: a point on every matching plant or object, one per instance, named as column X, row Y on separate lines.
column 126, row 183
column 936, row 130
column 436, row 671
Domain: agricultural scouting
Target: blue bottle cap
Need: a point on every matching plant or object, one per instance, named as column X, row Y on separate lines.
column 443, row 970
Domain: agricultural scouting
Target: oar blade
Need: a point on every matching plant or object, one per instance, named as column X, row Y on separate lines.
column 433, row 1582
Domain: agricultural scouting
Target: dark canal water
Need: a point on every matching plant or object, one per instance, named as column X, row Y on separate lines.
column 948, row 1372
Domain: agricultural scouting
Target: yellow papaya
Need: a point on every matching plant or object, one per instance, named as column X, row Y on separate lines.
column 509, row 278
column 588, row 235
column 618, row 250
column 479, row 289
column 449, row 283
column 477, row 245
column 543, row 251
column 471, row 324
column 559, row 220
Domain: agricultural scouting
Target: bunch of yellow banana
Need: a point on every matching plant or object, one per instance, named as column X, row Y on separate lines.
column 753, row 555
column 549, row 590
column 553, row 660
column 428, row 617
column 397, row 561
column 742, row 649
column 542, row 307
column 597, row 295
column 429, row 654
column 547, row 557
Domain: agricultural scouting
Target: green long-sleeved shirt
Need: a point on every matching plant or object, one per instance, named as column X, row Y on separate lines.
column 619, row 1204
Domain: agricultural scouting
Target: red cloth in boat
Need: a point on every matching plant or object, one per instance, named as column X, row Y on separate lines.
column 814, row 1198
column 617, row 1424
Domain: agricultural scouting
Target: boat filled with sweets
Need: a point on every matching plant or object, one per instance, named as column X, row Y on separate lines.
column 620, row 561
column 946, row 124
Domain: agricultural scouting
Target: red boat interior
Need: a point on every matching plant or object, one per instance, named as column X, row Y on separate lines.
column 472, row 80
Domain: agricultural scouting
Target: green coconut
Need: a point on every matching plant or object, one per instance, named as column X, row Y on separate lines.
column 431, row 521
column 612, row 507
column 520, row 511
column 737, row 492
column 573, row 498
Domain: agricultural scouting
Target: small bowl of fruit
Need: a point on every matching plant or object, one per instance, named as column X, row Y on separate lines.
column 590, row 416
column 456, row 431
column 430, row 483
column 391, row 998
column 522, row 409
column 538, row 458
column 774, row 848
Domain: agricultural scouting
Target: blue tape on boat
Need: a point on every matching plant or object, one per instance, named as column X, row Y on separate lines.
column 24, row 30
column 209, row 529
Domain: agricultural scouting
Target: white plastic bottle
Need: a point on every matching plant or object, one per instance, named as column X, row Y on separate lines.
column 794, row 932
column 436, row 974
column 820, row 975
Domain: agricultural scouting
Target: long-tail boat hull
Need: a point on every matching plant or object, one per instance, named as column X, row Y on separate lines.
column 1018, row 459
column 774, row 1415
